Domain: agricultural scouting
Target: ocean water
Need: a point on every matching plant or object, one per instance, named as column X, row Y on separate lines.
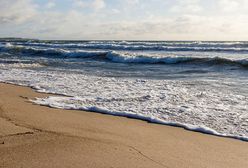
column 201, row 86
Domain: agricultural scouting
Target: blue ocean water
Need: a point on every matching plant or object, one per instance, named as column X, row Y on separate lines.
column 200, row 86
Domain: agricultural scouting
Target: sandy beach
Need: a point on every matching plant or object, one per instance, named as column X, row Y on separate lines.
column 39, row 136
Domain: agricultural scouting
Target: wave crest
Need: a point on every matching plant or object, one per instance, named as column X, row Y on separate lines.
column 136, row 58
column 161, row 46
column 121, row 57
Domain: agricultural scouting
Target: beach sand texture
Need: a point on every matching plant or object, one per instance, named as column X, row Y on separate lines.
column 43, row 137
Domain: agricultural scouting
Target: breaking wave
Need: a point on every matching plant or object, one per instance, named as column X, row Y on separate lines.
column 49, row 52
column 135, row 58
column 121, row 57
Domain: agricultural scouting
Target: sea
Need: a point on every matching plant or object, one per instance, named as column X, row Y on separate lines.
column 198, row 85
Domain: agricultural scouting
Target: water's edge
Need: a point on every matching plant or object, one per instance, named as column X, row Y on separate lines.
column 152, row 120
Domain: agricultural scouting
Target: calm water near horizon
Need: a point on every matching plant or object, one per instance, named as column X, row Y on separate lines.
column 201, row 86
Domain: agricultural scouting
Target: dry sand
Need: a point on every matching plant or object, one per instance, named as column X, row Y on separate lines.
column 40, row 137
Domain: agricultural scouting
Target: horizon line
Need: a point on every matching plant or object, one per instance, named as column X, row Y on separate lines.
column 24, row 38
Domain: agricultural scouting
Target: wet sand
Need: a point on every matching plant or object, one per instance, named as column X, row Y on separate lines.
column 40, row 137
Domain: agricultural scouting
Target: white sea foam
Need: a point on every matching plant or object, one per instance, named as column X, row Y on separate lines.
column 146, row 58
column 195, row 105
column 21, row 65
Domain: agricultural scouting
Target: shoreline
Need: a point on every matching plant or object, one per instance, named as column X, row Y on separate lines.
column 38, row 136
column 198, row 129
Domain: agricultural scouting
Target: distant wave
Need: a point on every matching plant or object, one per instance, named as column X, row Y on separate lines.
column 161, row 46
column 121, row 57
column 49, row 52
column 128, row 58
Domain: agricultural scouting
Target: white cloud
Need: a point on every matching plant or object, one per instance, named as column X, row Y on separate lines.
column 50, row 5
column 80, row 3
column 98, row 4
column 116, row 11
column 230, row 5
column 23, row 18
column 187, row 6
column 95, row 4
column 132, row 2
column 16, row 11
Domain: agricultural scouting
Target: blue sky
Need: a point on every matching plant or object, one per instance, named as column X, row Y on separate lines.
column 125, row 19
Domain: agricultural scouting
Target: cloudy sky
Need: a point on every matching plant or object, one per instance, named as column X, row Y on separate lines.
column 125, row 19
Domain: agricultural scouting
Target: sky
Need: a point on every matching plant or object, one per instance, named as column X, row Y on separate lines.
column 125, row 19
